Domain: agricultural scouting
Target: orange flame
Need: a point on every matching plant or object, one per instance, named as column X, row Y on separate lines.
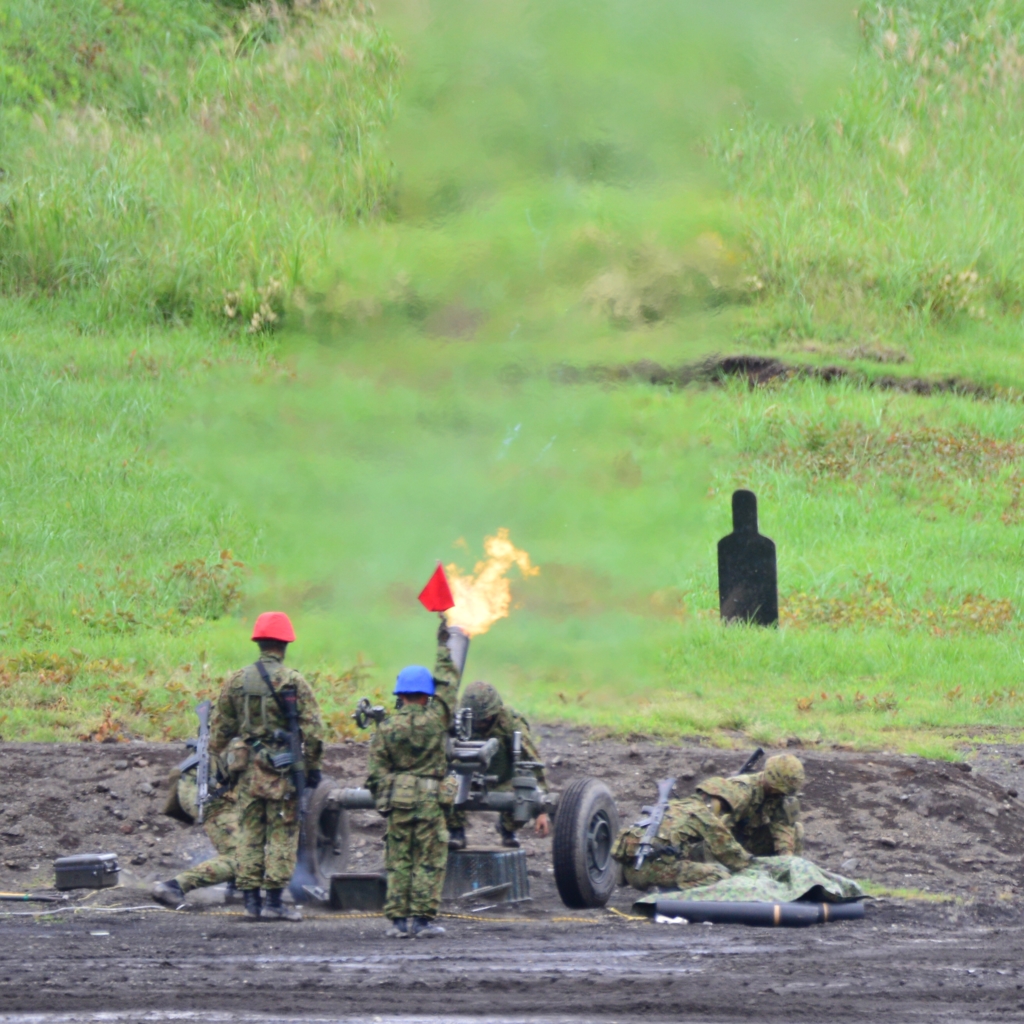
column 484, row 596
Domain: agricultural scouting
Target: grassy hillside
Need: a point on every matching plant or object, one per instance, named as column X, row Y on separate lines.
column 310, row 298
column 183, row 161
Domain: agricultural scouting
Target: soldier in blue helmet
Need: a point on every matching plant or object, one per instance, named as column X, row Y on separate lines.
column 407, row 769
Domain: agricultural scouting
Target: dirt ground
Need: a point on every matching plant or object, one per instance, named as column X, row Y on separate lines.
column 897, row 821
column 900, row 822
column 903, row 963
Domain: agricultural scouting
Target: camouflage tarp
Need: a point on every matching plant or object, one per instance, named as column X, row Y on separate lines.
column 770, row 880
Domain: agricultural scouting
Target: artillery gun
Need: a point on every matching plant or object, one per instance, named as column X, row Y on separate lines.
column 586, row 819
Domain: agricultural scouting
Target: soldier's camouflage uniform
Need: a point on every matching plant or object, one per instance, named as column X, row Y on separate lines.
column 407, row 766
column 506, row 722
column 765, row 825
column 220, row 821
column 693, row 846
column 245, row 720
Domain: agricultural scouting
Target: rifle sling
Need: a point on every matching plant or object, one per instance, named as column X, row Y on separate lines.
column 293, row 721
column 265, row 676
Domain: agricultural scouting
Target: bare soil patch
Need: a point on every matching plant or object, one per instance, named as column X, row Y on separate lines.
column 895, row 820
column 759, row 370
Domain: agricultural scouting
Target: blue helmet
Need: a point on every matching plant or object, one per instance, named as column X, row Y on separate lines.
column 414, row 679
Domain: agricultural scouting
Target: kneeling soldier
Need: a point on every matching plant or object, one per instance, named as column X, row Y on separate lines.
column 220, row 821
column 250, row 730
column 762, row 808
column 407, row 767
column 492, row 718
column 693, row 847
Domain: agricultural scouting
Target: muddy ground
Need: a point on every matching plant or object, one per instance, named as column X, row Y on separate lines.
column 900, row 822
column 903, row 963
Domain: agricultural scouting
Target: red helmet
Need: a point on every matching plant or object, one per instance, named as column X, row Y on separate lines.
column 274, row 626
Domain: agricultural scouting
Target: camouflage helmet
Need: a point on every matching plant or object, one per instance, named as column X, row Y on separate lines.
column 482, row 699
column 785, row 773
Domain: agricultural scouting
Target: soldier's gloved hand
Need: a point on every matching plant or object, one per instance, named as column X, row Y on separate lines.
column 442, row 630
column 313, row 778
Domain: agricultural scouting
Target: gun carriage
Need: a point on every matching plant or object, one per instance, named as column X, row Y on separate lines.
column 585, row 817
column 586, row 820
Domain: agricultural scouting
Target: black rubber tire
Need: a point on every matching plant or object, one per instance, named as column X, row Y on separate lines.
column 586, row 824
column 326, row 835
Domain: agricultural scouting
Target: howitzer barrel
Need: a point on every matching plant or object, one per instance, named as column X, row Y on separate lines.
column 458, row 647
column 352, row 799
column 767, row 915
column 492, row 802
column 539, row 801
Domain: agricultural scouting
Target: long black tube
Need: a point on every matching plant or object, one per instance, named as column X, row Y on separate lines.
column 768, row 915
column 362, row 799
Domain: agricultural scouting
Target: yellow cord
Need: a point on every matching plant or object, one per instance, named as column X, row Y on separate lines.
column 628, row 917
column 343, row 916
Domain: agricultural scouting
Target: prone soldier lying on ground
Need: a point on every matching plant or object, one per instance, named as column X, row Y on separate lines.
column 493, row 719
column 407, row 767
column 761, row 809
column 220, row 821
column 692, row 846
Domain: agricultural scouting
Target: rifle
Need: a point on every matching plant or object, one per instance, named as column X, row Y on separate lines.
column 751, row 762
column 203, row 760
column 655, row 816
column 289, row 704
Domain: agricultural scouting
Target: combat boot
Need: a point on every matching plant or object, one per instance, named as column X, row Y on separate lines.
column 399, row 929
column 424, row 928
column 276, row 910
column 508, row 838
column 253, row 903
column 232, row 895
column 170, row 894
column 456, row 839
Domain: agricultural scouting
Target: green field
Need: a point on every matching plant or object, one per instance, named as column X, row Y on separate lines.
column 298, row 301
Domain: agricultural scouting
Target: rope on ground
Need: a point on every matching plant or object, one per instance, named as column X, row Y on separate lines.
column 480, row 917
column 628, row 917
column 53, row 911
column 348, row 916
column 202, row 912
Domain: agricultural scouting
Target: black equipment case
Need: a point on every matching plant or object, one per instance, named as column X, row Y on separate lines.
column 87, row 871
column 359, row 890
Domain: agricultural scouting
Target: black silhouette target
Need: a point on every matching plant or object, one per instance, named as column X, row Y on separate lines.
column 748, row 588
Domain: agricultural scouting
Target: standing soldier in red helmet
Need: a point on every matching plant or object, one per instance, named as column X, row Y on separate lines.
column 247, row 729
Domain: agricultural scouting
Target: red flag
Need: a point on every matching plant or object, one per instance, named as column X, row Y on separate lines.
column 436, row 596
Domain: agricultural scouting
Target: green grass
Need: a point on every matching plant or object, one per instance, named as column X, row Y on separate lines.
column 915, row 895
column 211, row 196
column 311, row 304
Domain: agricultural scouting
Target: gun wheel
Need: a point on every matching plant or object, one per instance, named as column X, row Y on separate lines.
column 326, row 834
column 586, row 824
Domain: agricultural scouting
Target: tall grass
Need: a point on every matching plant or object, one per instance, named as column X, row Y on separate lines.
column 216, row 198
column 900, row 207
